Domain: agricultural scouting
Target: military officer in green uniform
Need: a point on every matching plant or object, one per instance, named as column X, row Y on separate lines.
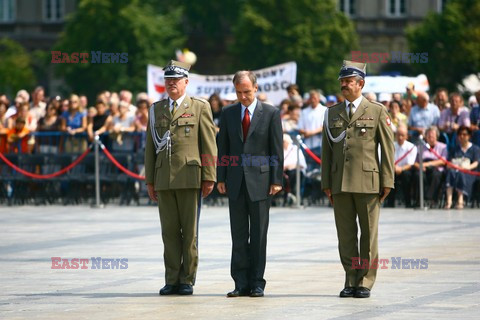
column 357, row 177
column 179, row 131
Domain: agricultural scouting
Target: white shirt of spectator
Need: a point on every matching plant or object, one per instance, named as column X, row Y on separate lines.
column 400, row 150
column 290, row 157
column 311, row 119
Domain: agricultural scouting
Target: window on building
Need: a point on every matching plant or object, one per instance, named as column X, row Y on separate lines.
column 396, row 8
column 7, row 10
column 348, row 7
column 53, row 10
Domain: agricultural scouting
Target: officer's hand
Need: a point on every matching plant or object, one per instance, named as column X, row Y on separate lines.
column 221, row 187
column 328, row 192
column 207, row 188
column 384, row 194
column 274, row 189
column 151, row 192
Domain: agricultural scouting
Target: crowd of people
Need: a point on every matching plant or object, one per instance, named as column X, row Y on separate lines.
column 449, row 125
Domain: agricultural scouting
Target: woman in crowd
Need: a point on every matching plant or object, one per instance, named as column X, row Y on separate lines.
column 51, row 122
column 216, row 105
column 121, row 125
column 396, row 115
column 465, row 155
column 74, row 122
column 99, row 123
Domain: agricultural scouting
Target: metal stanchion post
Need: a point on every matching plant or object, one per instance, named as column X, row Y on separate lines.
column 96, row 143
column 297, row 186
column 420, row 182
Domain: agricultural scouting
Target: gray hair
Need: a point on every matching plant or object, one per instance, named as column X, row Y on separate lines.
column 433, row 128
column 240, row 75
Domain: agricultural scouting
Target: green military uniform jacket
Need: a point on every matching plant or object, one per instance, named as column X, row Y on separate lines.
column 192, row 134
column 353, row 164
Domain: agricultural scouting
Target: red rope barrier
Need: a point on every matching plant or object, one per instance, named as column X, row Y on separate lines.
column 119, row 166
column 310, row 153
column 448, row 163
column 46, row 176
column 404, row 155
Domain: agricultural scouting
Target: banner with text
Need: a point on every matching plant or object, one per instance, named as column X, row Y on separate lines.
column 272, row 81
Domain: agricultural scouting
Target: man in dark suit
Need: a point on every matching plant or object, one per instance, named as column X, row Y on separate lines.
column 250, row 151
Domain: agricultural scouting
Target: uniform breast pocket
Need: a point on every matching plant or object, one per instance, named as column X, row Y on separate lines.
column 336, row 128
column 186, row 126
column 363, row 130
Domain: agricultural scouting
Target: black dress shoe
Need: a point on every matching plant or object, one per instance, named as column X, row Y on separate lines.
column 347, row 292
column 238, row 293
column 168, row 289
column 256, row 292
column 185, row 289
column 362, row 292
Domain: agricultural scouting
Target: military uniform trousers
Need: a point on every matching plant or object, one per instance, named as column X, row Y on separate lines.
column 346, row 207
column 179, row 215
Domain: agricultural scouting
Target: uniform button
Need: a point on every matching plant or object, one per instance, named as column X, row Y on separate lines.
column 348, row 137
column 346, row 159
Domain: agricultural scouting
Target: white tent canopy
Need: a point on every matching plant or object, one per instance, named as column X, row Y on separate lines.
column 389, row 84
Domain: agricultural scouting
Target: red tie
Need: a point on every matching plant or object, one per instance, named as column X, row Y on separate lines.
column 246, row 124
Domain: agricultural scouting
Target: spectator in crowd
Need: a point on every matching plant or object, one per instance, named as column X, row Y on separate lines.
column 409, row 98
column 64, row 106
column 475, row 120
column 340, row 98
column 441, row 99
column 38, row 106
column 331, row 100
column 99, row 123
column 216, row 105
column 262, row 96
column 397, row 96
column 74, row 123
column 371, row 96
column 290, row 121
column 141, row 119
column 91, row 113
column 422, row 116
column 83, row 100
column 18, row 138
column 433, row 167
column 114, row 106
column 24, row 95
column 283, row 106
column 310, row 125
column 397, row 117
column 465, row 155
column 23, row 111
column 105, row 96
column 405, row 155
column 294, row 95
column 51, row 122
column 290, row 160
column 3, row 112
column 126, row 96
column 472, row 102
column 142, row 96
column 457, row 115
column 121, row 124
column 13, row 109
column 4, row 99
column 385, row 98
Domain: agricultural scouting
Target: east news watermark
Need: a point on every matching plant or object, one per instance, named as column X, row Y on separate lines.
column 84, row 57
column 94, row 263
column 390, row 57
column 396, row 263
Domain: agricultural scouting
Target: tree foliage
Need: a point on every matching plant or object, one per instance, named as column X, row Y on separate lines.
column 313, row 33
column 117, row 26
column 15, row 68
column 452, row 40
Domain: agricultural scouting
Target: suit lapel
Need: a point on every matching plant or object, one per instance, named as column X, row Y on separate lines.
column 343, row 112
column 238, row 115
column 256, row 118
column 164, row 110
column 360, row 111
column 187, row 102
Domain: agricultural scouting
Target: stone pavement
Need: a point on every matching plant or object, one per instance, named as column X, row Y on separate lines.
column 304, row 275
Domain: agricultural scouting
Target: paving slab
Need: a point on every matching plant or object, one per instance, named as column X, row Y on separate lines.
column 303, row 274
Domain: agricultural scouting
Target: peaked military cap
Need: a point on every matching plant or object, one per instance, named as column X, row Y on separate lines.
column 176, row 69
column 351, row 68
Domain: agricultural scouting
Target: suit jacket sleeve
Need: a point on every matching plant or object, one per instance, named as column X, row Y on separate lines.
column 150, row 157
column 276, row 148
column 326, row 160
column 385, row 134
column 207, row 143
column 223, row 147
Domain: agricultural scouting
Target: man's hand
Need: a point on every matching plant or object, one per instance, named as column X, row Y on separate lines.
column 398, row 170
column 221, row 187
column 274, row 189
column 384, row 194
column 151, row 192
column 207, row 188
column 328, row 192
